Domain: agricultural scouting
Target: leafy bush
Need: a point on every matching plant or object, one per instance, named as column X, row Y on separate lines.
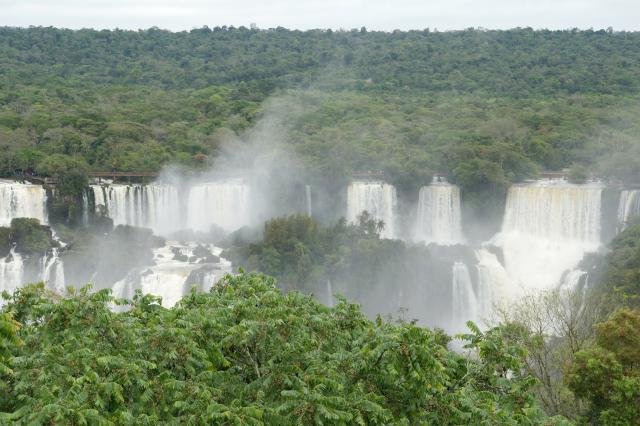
column 245, row 353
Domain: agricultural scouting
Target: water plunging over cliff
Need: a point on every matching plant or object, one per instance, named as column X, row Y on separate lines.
column 465, row 303
column 628, row 207
column 438, row 218
column 225, row 204
column 14, row 272
column 175, row 271
column 307, row 194
column 22, row 200
column 11, row 272
column 378, row 199
column 154, row 206
column 493, row 283
column 548, row 226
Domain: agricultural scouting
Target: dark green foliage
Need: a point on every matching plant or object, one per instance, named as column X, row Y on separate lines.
column 608, row 374
column 302, row 254
column 622, row 266
column 248, row 354
column 30, row 237
column 485, row 107
column 578, row 174
column 5, row 241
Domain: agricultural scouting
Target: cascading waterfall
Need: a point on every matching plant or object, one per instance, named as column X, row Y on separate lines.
column 438, row 218
column 85, row 208
column 573, row 279
column 493, row 282
column 329, row 294
column 154, row 206
column 378, row 199
column 628, row 207
column 168, row 277
column 225, row 204
column 307, row 193
column 465, row 302
column 52, row 271
column 22, row 200
column 11, row 272
column 547, row 229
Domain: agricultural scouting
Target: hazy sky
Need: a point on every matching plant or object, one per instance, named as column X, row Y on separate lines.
column 304, row 14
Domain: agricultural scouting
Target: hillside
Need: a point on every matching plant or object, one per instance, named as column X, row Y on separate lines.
column 486, row 107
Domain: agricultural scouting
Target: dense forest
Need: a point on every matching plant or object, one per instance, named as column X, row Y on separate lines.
column 486, row 107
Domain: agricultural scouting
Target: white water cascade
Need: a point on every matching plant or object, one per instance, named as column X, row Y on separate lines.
column 438, row 218
column 307, row 193
column 465, row 302
column 330, row 295
column 547, row 229
column 22, row 200
column 378, row 199
column 168, row 277
column 493, row 283
column 154, row 206
column 225, row 204
column 628, row 207
column 11, row 272
column 52, row 272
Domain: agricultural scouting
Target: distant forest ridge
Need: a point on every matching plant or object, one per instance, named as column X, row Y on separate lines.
column 519, row 62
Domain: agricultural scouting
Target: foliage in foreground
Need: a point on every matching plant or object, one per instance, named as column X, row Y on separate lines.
column 246, row 354
column 607, row 375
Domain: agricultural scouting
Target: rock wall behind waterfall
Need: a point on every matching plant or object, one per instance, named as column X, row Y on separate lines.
column 548, row 227
column 22, row 200
column 378, row 199
column 438, row 218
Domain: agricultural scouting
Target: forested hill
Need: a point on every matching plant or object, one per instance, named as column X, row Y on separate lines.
column 519, row 62
column 487, row 107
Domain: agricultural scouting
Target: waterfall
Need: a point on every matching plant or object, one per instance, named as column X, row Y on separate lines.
column 22, row 200
column 11, row 272
column 225, row 204
column 85, row 208
column 154, row 206
column 168, row 277
column 628, row 207
column 547, row 229
column 465, row 302
column 493, row 282
column 307, row 193
column 573, row 279
column 378, row 199
column 52, row 272
column 438, row 217
column 329, row 294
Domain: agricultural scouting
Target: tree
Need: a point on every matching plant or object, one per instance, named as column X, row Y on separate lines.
column 607, row 376
column 245, row 353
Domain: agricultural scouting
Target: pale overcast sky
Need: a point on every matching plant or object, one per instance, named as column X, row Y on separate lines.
column 305, row 14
